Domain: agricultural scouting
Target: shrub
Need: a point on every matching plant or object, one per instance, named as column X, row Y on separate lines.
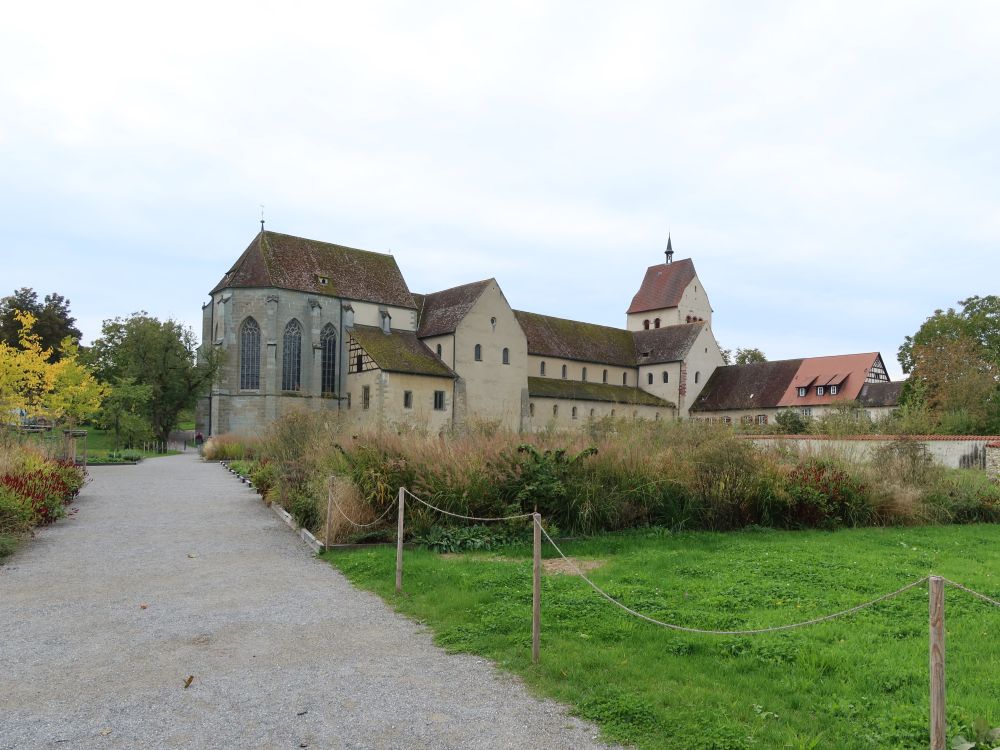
column 825, row 495
column 304, row 508
column 264, row 476
column 229, row 448
column 17, row 516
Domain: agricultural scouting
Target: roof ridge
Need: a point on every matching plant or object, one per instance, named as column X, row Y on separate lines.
column 329, row 244
column 571, row 320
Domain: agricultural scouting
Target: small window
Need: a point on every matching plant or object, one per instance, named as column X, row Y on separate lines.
column 541, row 367
column 584, row 375
column 531, row 410
column 727, row 420
column 438, row 350
column 605, row 377
column 555, row 410
column 666, row 376
column 761, row 419
column 407, row 399
column 624, row 378
column 564, row 371
column 656, row 416
column 493, row 323
column 834, row 389
column 645, row 324
column 802, row 392
column 820, row 390
column 697, row 376
column 439, row 400
column 573, row 413
column 366, row 396
column 649, row 378
column 506, row 356
column 656, row 323
column 358, row 361
column 747, row 419
column 612, row 412
column 479, row 353
column 806, row 411
column 591, row 412
column 323, row 280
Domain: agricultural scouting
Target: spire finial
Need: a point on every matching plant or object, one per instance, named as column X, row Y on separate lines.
column 261, row 217
column 670, row 250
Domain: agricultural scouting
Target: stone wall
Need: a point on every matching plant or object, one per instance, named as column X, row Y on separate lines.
column 953, row 451
column 993, row 461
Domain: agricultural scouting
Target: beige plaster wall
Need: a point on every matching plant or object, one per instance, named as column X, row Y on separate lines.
column 490, row 390
column 693, row 303
column 543, row 417
column 574, row 370
column 669, row 390
column 704, row 356
column 367, row 314
column 447, row 344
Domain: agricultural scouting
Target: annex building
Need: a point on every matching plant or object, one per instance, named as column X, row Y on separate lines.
column 304, row 324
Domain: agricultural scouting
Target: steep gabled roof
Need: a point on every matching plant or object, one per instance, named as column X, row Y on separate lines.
column 663, row 286
column 846, row 371
column 282, row 261
column 880, row 394
column 399, row 351
column 670, row 344
column 441, row 312
column 760, row 385
column 571, row 339
column 579, row 391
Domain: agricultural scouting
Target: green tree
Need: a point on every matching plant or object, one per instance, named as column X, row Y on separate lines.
column 53, row 322
column 749, row 356
column 790, row 422
column 978, row 319
column 160, row 355
column 124, row 412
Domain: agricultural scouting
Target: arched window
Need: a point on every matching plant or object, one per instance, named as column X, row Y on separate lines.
column 531, row 410
column 624, row 378
column 328, row 366
column 645, row 324
column 564, row 371
column 291, row 357
column 649, row 378
column 666, row 376
column 612, row 412
column 584, row 375
column 249, row 355
column 656, row 323
column 541, row 367
column 438, row 350
column 591, row 412
column 555, row 410
column 506, row 356
column 697, row 376
column 574, row 413
column 605, row 377
column 479, row 353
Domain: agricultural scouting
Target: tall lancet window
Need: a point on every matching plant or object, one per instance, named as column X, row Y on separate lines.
column 328, row 344
column 249, row 355
column 291, row 358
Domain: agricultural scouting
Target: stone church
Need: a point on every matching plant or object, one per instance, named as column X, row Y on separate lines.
column 304, row 324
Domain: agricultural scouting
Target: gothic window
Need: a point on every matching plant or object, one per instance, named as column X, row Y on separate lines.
column 291, row 357
column 328, row 368
column 249, row 355
column 506, row 356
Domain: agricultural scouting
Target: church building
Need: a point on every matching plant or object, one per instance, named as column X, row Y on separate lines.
column 304, row 324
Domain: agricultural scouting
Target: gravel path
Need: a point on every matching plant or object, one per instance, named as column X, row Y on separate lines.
column 284, row 652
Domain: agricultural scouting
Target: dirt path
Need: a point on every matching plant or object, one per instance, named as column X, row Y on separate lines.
column 284, row 652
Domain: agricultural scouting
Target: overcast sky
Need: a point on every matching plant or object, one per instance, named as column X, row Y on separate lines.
column 832, row 168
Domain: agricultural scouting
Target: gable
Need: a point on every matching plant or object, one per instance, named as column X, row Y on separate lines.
column 663, row 286
column 441, row 312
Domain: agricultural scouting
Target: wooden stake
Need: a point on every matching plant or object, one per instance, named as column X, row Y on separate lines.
column 536, row 594
column 937, row 663
column 401, row 502
column 329, row 511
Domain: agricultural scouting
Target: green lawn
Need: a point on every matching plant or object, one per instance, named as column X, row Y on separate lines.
column 858, row 682
column 99, row 444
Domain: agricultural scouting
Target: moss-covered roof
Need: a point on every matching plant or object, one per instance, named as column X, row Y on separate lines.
column 281, row 261
column 441, row 312
column 399, row 351
column 579, row 391
column 572, row 339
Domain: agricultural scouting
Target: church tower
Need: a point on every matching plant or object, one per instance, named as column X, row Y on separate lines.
column 670, row 295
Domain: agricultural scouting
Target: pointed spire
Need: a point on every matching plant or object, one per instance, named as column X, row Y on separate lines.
column 262, row 219
column 670, row 250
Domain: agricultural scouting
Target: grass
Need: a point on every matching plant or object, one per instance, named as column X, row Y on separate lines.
column 100, row 444
column 857, row 682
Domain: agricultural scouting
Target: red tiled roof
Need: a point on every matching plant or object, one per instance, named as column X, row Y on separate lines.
column 286, row 262
column 441, row 312
column 663, row 286
column 847, row 371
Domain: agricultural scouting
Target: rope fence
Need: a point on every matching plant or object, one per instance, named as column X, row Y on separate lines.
column 936, row 585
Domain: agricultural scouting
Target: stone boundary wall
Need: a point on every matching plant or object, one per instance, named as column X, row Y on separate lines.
column 993, row 460
column 953, row 451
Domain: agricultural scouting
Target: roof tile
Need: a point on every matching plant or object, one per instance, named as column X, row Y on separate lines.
column 663, row 286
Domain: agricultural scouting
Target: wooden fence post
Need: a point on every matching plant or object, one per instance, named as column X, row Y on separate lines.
column 329, row 510
column 401, row 502
column 938, row 734
column 536, row 593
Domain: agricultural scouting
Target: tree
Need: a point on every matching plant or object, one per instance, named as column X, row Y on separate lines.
column 52, row 320
column 791, row 422
column 160, row 355
column 749, row 356
column 124, row 412
column 954, row 366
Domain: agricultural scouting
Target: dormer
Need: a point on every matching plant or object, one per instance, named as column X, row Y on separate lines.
column 671, row 294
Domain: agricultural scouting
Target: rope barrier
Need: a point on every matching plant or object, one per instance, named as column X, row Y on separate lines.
column 348, row 518
column 753, row 631
column 468, row 518
column 967, row 590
